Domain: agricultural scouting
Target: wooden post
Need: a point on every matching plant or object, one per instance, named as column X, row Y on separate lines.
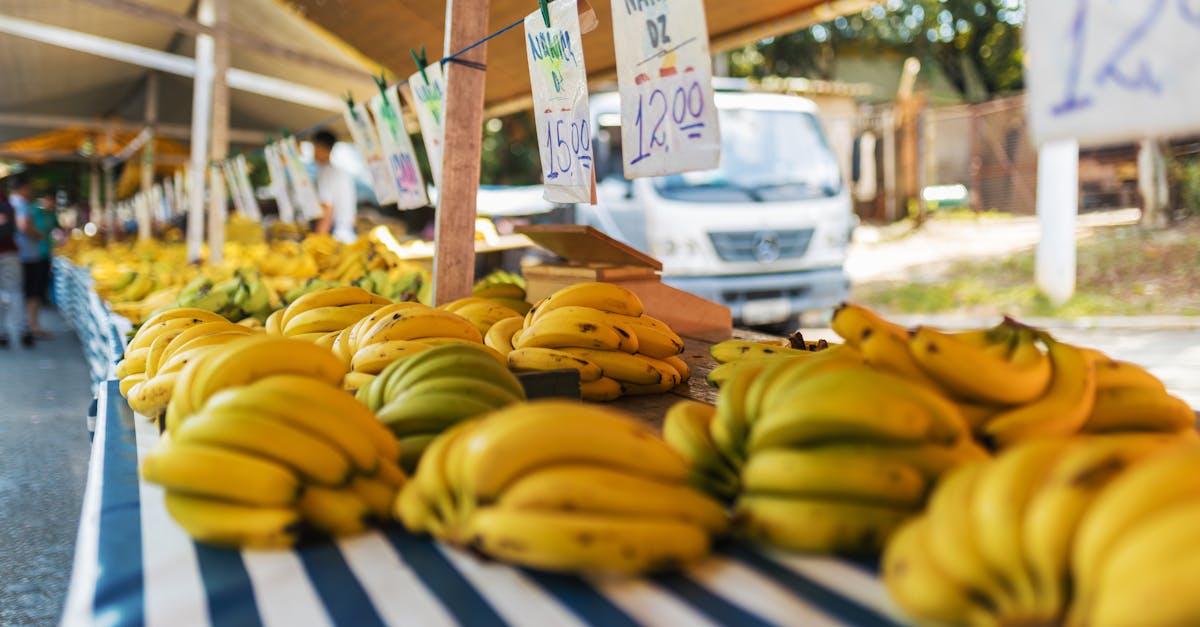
column 219, row 147
column 889, row 164
column 201, row 117
column 151, row 124
column 454, row 259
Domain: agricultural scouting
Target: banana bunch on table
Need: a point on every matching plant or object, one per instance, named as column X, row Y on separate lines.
column 432, row 388
column 481, row 312
column 318, row 316
column 561, row 486
column 600, row 330
column 1085, row 530
column 503, row 288
column 261, row 443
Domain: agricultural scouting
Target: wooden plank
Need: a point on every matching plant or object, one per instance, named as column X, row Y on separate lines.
column 454, row 260
column 581, row 243
column 219, row 148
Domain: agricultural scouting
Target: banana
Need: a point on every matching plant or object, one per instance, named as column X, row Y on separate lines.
column 851, row 321
column 431, row 412
column 686, row 429
column 264, row 435
column 603, row 296
column 1062, row 411
column 129, row 381
column 921, row 587
column 659, row 343
column 817, row 526
column 1161, row 481
column 134, row 362
column 736, row 350
column 418, row 323
column 977, row 416
column 499, row 290
column 1002, row 494
column 931, row 460
column 181, row 312
column 572, row 542
column 534, row 359
column 155, row 353
column 721, row 374
column 599, row 490
column 779, row 384
column 379, row 319
column 429, row 487
column 831, row 407
column 833, row 474
column 221, row 473
column 1054, row 511
column 196, row 349
column 1120, row 374
column 312, row 338
column 416, row 513
column 204, row 329
column 272, row 323
column 968, row 371
column 299, row 391
column 890, row 352
column 1138, row 408
column 328, row 318
column 455, row 305
column 248, row 359
column 150, row 397
column 377, row 494
column 563, row 331
column 730, row 427
column 620, row 366
column 231, row 524
column 500, row 335
column 519, row 438
column 373, row 358
column 332, row 297
column 453, row 360
column 412, row 448
column 335, row 511
column 484, row 315
column 680, row 365
column 352, row 381
column 601, row 390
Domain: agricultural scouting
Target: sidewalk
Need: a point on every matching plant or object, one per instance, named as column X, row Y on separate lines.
column 44, row 397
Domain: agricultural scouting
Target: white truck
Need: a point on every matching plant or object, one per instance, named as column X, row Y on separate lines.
column 765, row 234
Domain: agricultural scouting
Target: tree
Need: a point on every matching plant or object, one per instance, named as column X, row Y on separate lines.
column 975, row 43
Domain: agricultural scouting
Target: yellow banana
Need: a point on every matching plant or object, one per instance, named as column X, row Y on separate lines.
column 736, row 350
column 379, row 319
column 850, row 321
column 133, row 363
column 221, row 473
column 619, row 365
column 182, row 312
column 129, row 381
column 561, row 331
column 415, row 324
column 373, row 358
column 147, row 334
column 484, row 315
column 1138, row 408
column 150, row 397
column 335, row 511
column 200, row 330
column 921, row 587
column 332, row 297
column 328, row 318
column 379, row 495
column 817, row 526
column 834, row 475
column 890, row 352
column 500, row 335
column 656, row 342
column 455, row 305
column 968, row 371
column 229, row 524
column 597, row 295
column 680, row 365
column 273, row 321
column 686, row 429
column 1120, row 374
column 1062, row 411
column 601, row 390
column 534, row 359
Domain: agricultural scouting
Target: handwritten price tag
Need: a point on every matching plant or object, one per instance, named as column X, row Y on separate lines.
column 302, row 183
column 664, row 70
column 401, row 160
column 430, row 98
column 560, row 103
column 362, row 129
column 1103, row 71
column 279, row 183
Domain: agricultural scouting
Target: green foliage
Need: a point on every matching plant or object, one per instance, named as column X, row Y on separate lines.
column 510, row 151
column 975, row 43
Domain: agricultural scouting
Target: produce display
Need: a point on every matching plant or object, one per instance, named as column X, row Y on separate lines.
column 1087, row 530
column 430, row 389
column 561, row 486
column 260, row 438
column 601, row 330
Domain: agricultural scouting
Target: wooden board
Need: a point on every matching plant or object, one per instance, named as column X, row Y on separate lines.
column 578, row 243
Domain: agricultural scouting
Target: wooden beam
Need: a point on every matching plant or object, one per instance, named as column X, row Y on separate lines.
column 454, row 259
column 201, row 120
column 219, row 144
column 237, row 37
column 170, row 131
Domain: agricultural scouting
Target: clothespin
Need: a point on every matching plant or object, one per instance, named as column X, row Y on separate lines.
column 421, row 62
column 381, row 83
column 350, row 104
column 544, row 5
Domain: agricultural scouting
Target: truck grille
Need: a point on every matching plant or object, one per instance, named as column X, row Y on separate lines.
column 762, row 246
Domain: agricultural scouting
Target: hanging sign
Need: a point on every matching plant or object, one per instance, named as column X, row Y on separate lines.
column 279, row 184
column 401, row 165
column 234, row 193
column 362, row 129
column 302, row 183
column 241, row 172
column 428, row 88
column 217, row 214
column 560, row 103
column 1103, row 72
column 664, row 71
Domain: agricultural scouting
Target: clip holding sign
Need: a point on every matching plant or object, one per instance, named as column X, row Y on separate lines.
column 421, row 61
column 542, row 4
column 350, row 103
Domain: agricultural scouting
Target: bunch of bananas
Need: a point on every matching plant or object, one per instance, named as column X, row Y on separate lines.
column 561, row 486
column 1086, row 530
column 319, row 316
column 245, row 231
column 131, row 370
column 822, row 452
column 432, row 388
column 481, row 312
column 260, row 438
column 394, row 331
column 180, row 338
column 600, row 330
column 503, row 288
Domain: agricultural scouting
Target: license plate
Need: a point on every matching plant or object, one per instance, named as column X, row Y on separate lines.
column 766, row 311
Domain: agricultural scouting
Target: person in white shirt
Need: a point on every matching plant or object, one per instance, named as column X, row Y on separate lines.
column 335, row 189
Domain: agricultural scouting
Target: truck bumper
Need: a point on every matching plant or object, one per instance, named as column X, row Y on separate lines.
column 768, row 298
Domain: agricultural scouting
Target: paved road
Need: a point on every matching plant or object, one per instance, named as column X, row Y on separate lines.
column 44, row 448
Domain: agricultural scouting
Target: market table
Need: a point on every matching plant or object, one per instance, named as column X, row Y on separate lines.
column 135, row 566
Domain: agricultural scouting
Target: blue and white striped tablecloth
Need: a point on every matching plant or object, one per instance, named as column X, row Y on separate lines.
column 135, row 566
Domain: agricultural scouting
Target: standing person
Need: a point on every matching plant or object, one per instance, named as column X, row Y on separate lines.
column 10, row 273
column 35, row 262
column 335, row 188
column 22, row 201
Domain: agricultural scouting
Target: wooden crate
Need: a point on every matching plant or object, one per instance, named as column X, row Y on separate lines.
column 593, row 256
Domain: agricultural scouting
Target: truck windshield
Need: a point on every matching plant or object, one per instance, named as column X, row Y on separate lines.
column 766, row 156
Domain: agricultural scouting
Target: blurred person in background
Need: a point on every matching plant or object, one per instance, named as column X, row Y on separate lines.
column 335, row 189
column 11, row 265
column 35, row 261
column 10, row 273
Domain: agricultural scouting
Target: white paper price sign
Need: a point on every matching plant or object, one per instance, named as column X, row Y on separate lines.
column 401, row 164
column 429, row 93
column 560, row 103
column 664, row 70
column 362, row 129
column 1104, row 71
column 306, row 190
column 279, row 183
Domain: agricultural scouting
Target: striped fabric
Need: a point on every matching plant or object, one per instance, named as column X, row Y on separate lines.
column 135, row 566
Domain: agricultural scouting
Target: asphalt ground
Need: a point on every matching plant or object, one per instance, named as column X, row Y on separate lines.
column 44, row 449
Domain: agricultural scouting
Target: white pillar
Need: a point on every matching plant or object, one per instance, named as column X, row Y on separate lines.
column 201, row 114
column 1057, row 206
column 217, row 213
